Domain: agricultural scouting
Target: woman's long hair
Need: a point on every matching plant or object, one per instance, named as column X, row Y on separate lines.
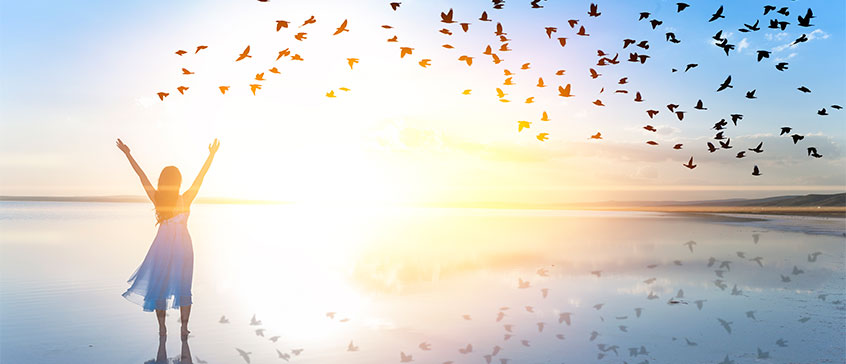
column 167, row 193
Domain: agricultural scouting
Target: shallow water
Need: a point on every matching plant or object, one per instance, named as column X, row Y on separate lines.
column 399, row 277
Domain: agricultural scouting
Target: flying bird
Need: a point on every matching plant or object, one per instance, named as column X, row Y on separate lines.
column 342, row 28
column 806, row 20
column 308, row 21
column 447, row 17
column 564, row 91
column 351, row 62
column 725, row 84
column 593, row 11
column 244, row 54
column 717, row 15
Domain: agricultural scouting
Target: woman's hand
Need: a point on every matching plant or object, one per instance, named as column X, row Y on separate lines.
column 212, row 147
column 123, row 147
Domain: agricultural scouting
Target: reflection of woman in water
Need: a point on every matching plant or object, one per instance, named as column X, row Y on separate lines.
column 161, row 355
column 164, row 278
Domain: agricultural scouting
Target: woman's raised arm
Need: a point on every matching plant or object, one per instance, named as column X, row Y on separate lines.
column 191, row 193
column 148, row 187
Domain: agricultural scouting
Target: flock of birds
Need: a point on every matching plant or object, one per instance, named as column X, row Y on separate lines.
column 780, row 20
column 448, row 18
column 721, row 268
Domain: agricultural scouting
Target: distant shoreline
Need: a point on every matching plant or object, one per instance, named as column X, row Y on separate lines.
column 134, row 199
column 703, row 207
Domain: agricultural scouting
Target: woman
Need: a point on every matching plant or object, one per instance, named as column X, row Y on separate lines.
column 164, row 278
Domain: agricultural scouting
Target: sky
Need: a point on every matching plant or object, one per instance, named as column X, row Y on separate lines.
column 74, row 77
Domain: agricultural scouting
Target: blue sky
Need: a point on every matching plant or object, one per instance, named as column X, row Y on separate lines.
column 73, row 77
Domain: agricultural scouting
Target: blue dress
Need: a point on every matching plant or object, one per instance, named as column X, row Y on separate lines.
column 163, row 280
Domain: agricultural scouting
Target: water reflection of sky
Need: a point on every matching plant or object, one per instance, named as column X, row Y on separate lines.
column 400, row 277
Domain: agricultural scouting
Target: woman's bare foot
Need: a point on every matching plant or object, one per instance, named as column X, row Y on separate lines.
column 185, row 331
column 162, row 331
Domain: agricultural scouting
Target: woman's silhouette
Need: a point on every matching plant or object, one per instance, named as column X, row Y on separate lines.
column 163, row 279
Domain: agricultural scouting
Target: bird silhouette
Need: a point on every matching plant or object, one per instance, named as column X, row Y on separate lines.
column 447, row 17
column 244, row 54
column 564, row 91
column 712, row 148
column 717, row 15
column 342, row 28
column 756, row 171
column 310, row 20
column 725, row 84
column 806, row 20
column 812, row 152
column 593, row 10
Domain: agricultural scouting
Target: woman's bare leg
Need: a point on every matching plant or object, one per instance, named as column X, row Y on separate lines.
column 160, row 316
column 185, row 311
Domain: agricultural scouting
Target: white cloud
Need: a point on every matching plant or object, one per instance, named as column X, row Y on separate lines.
column 782, row 59
column 816, row 34
column 742, row 45
column 776, row 37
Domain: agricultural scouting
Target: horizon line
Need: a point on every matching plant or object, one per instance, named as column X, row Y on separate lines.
column 516, row 204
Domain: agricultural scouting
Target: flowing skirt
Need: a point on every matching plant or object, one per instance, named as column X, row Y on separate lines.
column 163, row 280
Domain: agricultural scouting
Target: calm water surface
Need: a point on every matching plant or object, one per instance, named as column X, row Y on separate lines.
column 400, row 278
